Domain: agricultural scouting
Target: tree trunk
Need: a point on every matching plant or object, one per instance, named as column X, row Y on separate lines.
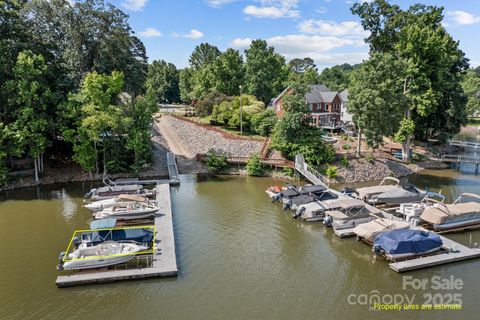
column 41, row 162
column 406, row 143
column 104, row 161
column 359, row 143
column 96, row 158
column 35, row 164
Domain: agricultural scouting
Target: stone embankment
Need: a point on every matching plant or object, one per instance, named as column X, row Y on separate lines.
column 360, row 170
column 199, row 140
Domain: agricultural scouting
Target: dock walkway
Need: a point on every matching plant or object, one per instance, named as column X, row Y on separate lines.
column 460, row 253
column 164, row 259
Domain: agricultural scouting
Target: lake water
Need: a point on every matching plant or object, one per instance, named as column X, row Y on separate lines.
column 240, row 257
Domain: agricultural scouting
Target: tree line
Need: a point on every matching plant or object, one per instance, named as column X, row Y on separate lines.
column 63, row 72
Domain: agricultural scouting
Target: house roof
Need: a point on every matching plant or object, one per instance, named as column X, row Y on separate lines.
column 319, row 93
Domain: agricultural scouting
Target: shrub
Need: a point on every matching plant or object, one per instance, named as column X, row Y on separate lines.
column 369, row 158
column 216, row 162
column 346, row 147
column 254, row 166
column 345, row 161
column 288, row 172
column 204, row 107
column 331, row 171
column 264, row 122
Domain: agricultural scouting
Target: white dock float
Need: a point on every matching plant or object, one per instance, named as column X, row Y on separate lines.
column 172, row 169
column 344, row 233
column 164, row 259
column 461, row 253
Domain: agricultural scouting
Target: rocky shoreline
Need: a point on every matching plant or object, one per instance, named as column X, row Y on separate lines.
column 200, row 140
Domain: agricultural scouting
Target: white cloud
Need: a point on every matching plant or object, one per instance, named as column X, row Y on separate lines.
column 273, row 9
column 134, row 5
column 219, row 3
column 150, row 33
column 316, row 47
column 463, row 17
column 193, row 34
column 332, row 28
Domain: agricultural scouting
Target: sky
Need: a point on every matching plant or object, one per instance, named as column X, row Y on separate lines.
column 324, row 30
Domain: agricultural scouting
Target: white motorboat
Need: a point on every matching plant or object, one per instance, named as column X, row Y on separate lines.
column 102, row 255
column 128, row 212
column 456, row 215
column 411, row 211
column 123, row 200
column 348, row 213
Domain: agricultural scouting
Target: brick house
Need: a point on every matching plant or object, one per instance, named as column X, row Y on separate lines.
column 324, row 106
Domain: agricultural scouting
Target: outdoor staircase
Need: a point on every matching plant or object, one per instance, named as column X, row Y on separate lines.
column 310, row 174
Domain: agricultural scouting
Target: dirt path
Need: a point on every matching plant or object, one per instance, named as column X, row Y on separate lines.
column 185, row 158
column 175, row 144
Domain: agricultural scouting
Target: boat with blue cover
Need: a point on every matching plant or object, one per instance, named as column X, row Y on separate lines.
column 406, row 243
column 103, row 230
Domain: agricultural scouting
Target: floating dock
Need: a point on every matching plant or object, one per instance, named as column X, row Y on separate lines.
column 454, row 252
column 164, row 260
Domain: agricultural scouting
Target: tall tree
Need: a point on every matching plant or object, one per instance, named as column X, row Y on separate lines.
column 162, row 82
column 336, row 78
column 433, row 66
column 30, row 99
column 298, row 65
column 203, row 54
column 265, row 71
column 228, row 72
column 185, row 84
column 376, row 98
column 471, row 86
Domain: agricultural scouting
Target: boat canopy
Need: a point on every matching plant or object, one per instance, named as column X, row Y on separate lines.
column 402, row 194
column 289, row 193
column 371, row 229
column 132, row 197
column 127, row 188
column 368, row 192
column 347, row 203
column 442, row 213
column 313, row 189
column 303, row 199
column 408, row 241
column 313, row 206
column 103, row 223
column 337, row 215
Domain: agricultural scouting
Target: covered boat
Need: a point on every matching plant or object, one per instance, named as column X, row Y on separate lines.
column 368, row 193
column 398, row 195
column 295, row 202
column 370, row 230
column 102, row 255
column 349, row 213
column 123, row 199
column 313, row 211
column 108, row 192
column 403, row 244
column 311, row 190
column 452, row 216
column 128, row 212
column 108, row 233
